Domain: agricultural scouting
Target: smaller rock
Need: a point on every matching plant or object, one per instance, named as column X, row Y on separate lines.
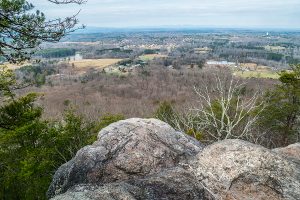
column 291, row 152
column 235, row 169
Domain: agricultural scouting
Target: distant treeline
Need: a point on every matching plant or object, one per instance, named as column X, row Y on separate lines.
column 113, row 50
column 268, row 56
column 151, row 51
column 56, row 53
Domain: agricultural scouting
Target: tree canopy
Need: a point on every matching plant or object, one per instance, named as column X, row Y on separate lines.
column 279, row 121
column 22, row 28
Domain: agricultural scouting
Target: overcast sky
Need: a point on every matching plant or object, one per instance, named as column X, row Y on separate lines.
column 202, row 13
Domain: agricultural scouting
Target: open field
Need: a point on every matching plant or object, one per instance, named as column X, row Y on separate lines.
column 257, row 74
column 202, row 50
column 94, row 63
column 253, row 70
column 274, row 48
column 14, row 66
column 151, row 57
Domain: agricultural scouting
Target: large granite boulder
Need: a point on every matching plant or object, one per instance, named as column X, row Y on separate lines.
column 235, row 169
column 148, row 159
column 125, row 150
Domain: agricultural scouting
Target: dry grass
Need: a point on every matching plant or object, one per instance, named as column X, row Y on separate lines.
column 152, row 56
column 274, row 48
column 14, row 66
column 202, row 50
column 94, row 63
column 257, row 74
column 252, row 70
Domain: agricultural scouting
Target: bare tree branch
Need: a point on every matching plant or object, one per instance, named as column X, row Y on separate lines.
column 224, row 113
column 22, row 30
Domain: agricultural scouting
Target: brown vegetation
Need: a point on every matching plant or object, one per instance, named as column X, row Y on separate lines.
column 96, row 63
column 135, row 95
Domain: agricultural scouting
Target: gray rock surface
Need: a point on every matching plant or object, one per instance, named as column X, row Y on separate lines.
column 176, row 184
column 235, row 169
column 127, row 149
column 291, row 152
column 147, row 159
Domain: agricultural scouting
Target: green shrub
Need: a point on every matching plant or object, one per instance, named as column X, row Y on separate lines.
column 166, row 113
column 32, row 149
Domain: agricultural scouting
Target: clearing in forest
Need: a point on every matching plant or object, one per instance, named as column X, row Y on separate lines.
column 148, row 57
column 94, row 63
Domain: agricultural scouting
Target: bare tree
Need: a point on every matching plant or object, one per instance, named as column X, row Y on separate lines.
column 224, row 112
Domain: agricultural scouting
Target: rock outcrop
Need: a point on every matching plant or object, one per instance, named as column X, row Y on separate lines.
column 148, row 159
column 176, row 184
column 128, row 149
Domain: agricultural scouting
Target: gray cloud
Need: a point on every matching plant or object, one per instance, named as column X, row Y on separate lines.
column 223, row 13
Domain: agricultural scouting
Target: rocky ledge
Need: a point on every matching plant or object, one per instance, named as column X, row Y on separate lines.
column 148, row 159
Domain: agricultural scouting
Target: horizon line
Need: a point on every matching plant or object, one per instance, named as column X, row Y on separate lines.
column 185, row 27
